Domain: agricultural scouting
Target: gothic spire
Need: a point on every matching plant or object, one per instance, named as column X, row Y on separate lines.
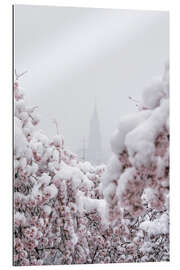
column 94, row 151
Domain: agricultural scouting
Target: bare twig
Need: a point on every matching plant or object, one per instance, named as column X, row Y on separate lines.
column 20, row 74
column 138, row 104
column 94, row 254
column 57, row 126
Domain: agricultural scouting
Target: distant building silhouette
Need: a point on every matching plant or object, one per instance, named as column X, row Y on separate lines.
column 94, row 149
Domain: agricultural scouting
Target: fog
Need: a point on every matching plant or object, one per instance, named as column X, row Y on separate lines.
column 74, row 55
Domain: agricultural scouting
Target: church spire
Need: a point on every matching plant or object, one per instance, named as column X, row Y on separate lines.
column 94, row 150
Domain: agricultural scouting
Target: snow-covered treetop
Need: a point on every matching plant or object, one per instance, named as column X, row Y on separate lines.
column 136, row 133
column 141, row 154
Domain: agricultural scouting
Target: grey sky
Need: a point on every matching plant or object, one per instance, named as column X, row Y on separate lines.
column 76, row 54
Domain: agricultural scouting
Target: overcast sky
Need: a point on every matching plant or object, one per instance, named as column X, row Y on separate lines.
column 76, row 54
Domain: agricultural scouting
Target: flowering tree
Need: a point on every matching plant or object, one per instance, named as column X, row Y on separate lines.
column 56, row 197
column 136, row 184
column 67, row 211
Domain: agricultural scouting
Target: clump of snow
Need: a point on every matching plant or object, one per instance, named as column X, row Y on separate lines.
column 140, row 141
column 85, row 166
column 109, row 192
column 89, row 204
column 112, row 171
column 148, row 194
column 23, row 116
column 137, row 133
column 67, row 172
column 153, row 94
column 40, row 136
column 23, row 163
column 31, row 169
column 37, row 147
column 19, row 196
column 157, row 226
column 44, row 179
column 19, row 107
column 74, row 238
column 20, row 219
column 123, row 180
column 157, row 90
column 47, row 209
column 58, row 140
column 20, row 142
column 126, row 124
column 160, row 166
column 146, row 247
column 51, row 191
column 74, row 174
column 19, row 93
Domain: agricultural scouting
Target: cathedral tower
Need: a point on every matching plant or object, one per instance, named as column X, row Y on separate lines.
column 94, row 151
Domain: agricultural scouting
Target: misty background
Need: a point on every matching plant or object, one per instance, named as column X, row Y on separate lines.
column 76, row 55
